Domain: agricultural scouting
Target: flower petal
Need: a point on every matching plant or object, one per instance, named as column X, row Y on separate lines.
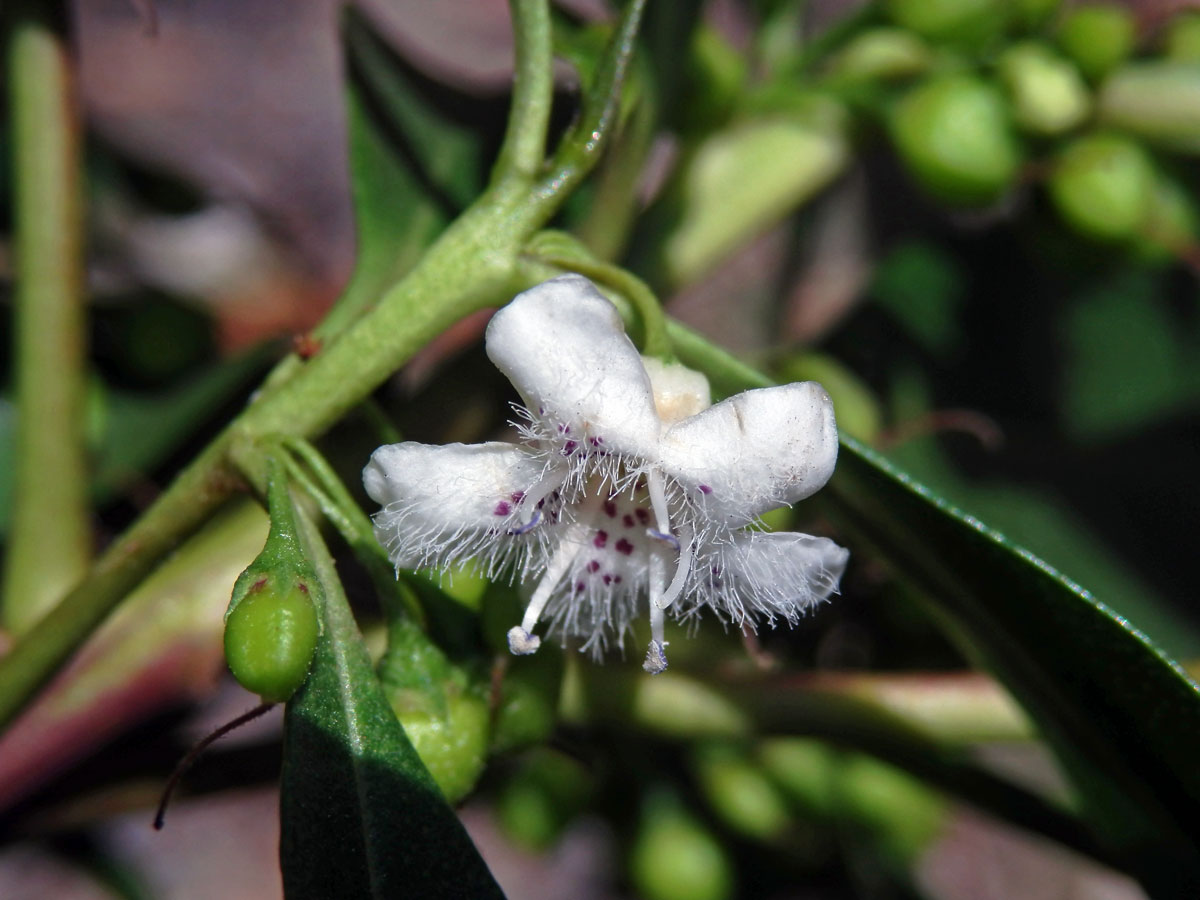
column 767, row 575
column 755, row 451
column 444, row 504
column 564, row 348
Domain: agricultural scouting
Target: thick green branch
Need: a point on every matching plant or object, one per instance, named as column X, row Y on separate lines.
column 51, row 541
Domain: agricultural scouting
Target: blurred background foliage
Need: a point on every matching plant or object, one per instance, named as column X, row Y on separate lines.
column 974, row 221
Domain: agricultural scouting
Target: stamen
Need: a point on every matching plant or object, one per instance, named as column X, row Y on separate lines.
column 528, row 526
column 658, row 500
column 669, row 538
column 521, row 639
column 682, row 569
column 656, row 657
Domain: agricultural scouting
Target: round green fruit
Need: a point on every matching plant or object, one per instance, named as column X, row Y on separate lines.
column 1098, row 38
column 270, row 637
column 1103, row 186
column 675, row 858
column 953, row 135
column 1182, row 43
column 970, row 22
column 1047, row 93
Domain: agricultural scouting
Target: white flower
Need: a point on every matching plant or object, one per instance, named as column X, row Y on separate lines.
column 628, row 492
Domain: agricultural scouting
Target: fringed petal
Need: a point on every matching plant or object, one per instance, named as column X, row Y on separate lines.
column 753, row 452
column 564, row 348
column 764, row 576
column 442, row 505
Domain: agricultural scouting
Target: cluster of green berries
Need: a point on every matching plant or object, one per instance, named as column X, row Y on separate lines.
column 979, row 95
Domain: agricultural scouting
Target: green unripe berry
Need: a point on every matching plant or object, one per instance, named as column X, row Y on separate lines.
column 675, row 858
column 1031, row 14
column 953, row 134
column 1182, row 43
column 1102, row 186
column 270, row 638
column 451, row 741
column 1098, row 37
column 968, row 22
column 881, row 54
column 1156, row 101
column 1172, row 223
column 535, row 805
column 1048, row 95
column 904, row 814
column 740, row 793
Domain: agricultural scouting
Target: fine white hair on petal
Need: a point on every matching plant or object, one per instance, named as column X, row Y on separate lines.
column 564, row 348
column 755, row 451
column 767, row 576
column 442, row 504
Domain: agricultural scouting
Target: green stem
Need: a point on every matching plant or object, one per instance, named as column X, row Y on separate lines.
column 609, row 220
column 50, row 541
column 524, row 151
column 577, row 154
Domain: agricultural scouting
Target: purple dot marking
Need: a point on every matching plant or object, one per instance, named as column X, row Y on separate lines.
column 623, row 546
column 600, row 540
column 503, row 508
column 569, row 448
column 608, row 579
column 643, row 515
column 610, row 509
column 517, row 496
column 627, row 520
column 705, row 489
column 594, row 566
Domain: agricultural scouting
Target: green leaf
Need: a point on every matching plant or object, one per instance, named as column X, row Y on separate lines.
column 1123, row 718
column 361, row 816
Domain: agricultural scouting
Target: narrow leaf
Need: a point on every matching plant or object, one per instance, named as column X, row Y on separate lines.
column 361, row 816
column 1123, row 718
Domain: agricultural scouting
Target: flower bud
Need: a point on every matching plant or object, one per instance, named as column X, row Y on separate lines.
column 273, row 619
column 1102, row 186
column 1098, row 38
column 443, row 710
column 952, row 133
column 270, row 638
column 1048, row 95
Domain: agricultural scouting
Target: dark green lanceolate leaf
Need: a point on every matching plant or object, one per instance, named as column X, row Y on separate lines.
column 1124, row 719
column 361, row 816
